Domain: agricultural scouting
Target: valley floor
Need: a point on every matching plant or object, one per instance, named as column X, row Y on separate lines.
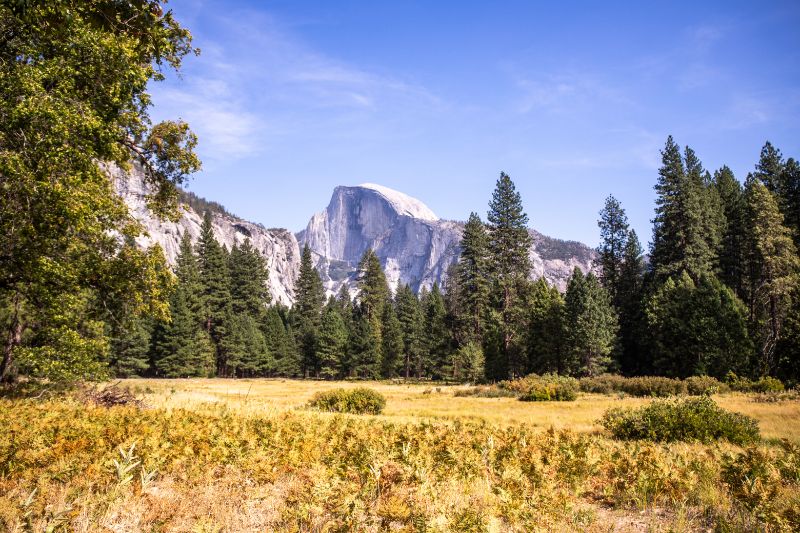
column 246, row 455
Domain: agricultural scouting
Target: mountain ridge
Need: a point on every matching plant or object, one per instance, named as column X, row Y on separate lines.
column 414, row 245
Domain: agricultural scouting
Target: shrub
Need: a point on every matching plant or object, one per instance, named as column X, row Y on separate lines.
column 545, row 388
column 694, row 419
column 603, row 384
column 356, row 401
column 700, row 385
column 743, row 384
column 654, row 386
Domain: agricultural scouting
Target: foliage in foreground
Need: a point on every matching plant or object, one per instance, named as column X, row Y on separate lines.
column 693, row 419
column 61, row 462
column 358, row 401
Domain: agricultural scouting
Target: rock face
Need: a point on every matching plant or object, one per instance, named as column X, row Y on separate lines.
column 413, row 244
column 278, row 246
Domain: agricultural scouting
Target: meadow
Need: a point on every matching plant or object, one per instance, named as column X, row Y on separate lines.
column 248, row 455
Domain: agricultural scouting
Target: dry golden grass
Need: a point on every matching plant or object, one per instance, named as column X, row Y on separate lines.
column 246, row 455
column 415, row 402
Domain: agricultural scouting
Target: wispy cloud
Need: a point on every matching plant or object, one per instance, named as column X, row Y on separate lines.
column 256, row 81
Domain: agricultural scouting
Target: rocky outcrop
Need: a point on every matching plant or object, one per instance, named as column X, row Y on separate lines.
column 413, row 244
column 278, row 246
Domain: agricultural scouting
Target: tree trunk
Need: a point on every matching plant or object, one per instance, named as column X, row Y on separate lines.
column 13, row 340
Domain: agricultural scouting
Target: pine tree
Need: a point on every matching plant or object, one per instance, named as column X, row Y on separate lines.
column 697, row 328
column 546, row 329
column 630, row 293
column 373, row 293
column 509, row 260
column 437, row 346
column 392, row 339
column 591, row 325
column 187, row 271
column 130, row 349
column 249, row 281
column 363, row 348
column 307, row 311
column 680, row 240
column 613, row 224
column 180, row 348
column 332, row 345
column 280, row 341
column 410, row 316
column 215, row 279
column 790, row 197
column 773, row 271
column 472, row 277
column 731, row 256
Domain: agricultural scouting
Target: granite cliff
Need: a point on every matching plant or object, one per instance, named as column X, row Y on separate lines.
column 414, row 245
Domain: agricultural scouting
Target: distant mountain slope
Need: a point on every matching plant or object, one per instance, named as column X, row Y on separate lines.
column 278, row 246
column 413, row 244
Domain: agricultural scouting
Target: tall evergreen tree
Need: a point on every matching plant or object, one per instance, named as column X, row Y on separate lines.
column 373, row 293
column 280, row 340
column 679, row 227
column 307, row 311
column 187, row 272
column 364, row 350
column 509, row 249
column 437, row 346
column 409, row 314
column 773, row 270
column 130, row 349
column 731, row 255
column 472, row 277
column 546, row 333
column 630, row 293
column 215, row 279
column 180, row 347
column 591, row 325
column 249, row 281
column 332, row 344
column 614, row 229
column 697, row 328
column 392, row 339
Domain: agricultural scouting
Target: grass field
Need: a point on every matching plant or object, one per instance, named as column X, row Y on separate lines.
column 246, row 455
column 417, row 402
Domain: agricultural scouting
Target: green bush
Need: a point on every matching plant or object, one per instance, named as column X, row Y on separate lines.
column 654, row 386
column 603, row 384
column 700, row 385
column 545, row 388
column 693, row 419
column 646, row 386
column 743, row 384
column 357, row 401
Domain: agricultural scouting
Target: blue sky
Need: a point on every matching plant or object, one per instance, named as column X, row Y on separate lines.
column 291, row 98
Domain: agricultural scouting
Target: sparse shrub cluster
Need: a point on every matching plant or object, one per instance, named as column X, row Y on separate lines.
column 691, row 419
column 652, row 386
column 645, row 386
column 544, row 388
column 764, row 384
column 359, row 401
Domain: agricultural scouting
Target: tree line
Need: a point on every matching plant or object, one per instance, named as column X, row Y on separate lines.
column 718, row 293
